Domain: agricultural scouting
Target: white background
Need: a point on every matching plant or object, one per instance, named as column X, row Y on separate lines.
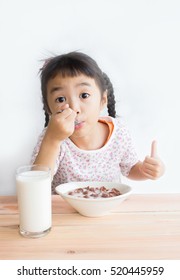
column 136, row 42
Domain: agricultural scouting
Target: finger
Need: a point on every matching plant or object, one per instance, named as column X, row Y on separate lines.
column 148, row 166
column 154, row 149
column 151, row 160
column 72, row 116
column 66, row 113
column 61, row 108
column 148, row 175
column 62, row 111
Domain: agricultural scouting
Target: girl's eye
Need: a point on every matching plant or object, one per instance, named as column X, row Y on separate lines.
column 84, row 95
column 60, row 99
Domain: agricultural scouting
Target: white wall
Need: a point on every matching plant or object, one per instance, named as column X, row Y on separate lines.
column 136, row 42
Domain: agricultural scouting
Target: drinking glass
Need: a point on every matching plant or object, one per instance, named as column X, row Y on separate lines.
column 33, row 184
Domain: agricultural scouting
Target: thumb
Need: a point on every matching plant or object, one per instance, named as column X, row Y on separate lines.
column 154, row 149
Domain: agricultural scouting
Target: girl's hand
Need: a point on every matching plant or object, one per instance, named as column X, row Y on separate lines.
column 152, row 167
column 61, row 124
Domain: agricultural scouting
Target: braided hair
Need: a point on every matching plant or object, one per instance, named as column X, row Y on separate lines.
column 72, row 65
column 110, row 96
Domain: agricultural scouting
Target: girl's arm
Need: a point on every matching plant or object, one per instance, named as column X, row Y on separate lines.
column 60, row 127
column 48, row 153
column 151, row 168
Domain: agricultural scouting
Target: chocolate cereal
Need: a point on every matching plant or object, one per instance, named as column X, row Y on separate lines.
column 94, row 192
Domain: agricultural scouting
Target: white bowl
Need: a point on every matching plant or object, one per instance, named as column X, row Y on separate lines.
column 91, row 207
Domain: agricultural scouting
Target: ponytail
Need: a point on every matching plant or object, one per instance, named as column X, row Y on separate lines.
column 46, row 119
column 110, row 96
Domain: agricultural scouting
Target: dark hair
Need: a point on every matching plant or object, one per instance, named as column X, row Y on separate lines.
column 71, row 65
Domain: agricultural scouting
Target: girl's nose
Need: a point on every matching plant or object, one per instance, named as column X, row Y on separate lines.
column 74, row 107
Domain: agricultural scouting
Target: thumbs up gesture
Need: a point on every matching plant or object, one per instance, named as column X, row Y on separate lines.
column 152, row 167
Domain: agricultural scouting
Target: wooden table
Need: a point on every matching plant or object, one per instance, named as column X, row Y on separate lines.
column 143, row 227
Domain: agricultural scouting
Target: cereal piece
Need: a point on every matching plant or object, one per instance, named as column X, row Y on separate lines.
column 104, row 195
column 79, row 190
column 85, row 192
column 103, row 189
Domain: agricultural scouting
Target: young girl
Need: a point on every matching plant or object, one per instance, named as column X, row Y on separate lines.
column 77, row 144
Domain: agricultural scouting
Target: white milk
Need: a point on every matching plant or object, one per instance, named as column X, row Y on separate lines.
column 34, row 200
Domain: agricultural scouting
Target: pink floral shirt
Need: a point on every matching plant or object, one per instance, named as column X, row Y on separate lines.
column 116, row 157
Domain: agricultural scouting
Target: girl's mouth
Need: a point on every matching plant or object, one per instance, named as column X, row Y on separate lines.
column 78, row 124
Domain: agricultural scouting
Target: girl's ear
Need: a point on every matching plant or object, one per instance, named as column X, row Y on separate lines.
column 104, row 100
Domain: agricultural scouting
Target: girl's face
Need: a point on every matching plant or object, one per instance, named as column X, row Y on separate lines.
column 82, row 95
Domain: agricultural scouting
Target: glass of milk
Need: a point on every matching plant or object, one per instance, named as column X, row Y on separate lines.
column 33, row 185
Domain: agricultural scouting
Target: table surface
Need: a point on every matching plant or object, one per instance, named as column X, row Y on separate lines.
column 145, row 226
